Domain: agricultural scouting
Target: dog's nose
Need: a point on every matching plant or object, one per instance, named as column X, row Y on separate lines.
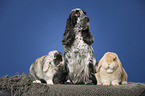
column 87, row 19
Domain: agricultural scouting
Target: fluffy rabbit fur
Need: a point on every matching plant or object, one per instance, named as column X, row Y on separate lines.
column 79, row 54
column 110, row 70
column 46, row 68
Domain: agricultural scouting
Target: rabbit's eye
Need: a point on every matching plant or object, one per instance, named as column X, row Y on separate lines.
column 114, row 59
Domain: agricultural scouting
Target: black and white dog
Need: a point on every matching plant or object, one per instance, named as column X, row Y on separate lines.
column 79, row 55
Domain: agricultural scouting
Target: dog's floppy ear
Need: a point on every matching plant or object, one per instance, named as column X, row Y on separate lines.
column 87, row 36
column 69, row 35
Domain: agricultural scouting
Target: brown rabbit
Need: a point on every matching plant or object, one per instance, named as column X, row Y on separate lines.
column 110, row 70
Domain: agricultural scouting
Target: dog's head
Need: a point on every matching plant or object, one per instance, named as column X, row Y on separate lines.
column 53, row 60
column 77, row 19
column 77, row 15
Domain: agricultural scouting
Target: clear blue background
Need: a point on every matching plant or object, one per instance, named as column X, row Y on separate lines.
column 31, row 28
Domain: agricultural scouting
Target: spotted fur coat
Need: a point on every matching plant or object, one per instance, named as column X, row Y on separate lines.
column 79, row 54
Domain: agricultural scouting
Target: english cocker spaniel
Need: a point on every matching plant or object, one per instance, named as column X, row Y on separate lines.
column 78, row 52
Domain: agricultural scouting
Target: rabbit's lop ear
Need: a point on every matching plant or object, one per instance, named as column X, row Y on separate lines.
column 100, row 64
column 119, row 63
column 45, row 67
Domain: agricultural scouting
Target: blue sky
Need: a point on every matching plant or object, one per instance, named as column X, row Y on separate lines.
column 31, row 28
